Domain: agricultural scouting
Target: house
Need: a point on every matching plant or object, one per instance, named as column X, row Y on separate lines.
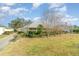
column 2, row 30
column 31, row 27
column 8, row 29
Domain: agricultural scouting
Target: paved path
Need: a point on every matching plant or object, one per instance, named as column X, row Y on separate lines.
column 5, row 41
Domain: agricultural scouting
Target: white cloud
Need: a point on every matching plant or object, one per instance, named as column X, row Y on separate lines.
column 2, row 15
column 55, row 5
column 27, row 18
column 3, row 11
column 36, row 5
column 36, row 18
column 63, row 9
column 10, row 4
column 69, row 18
column 5, row 8
column 58, row 7
column 17, row 10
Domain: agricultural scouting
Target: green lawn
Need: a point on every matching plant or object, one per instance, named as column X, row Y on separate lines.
column 60, row 45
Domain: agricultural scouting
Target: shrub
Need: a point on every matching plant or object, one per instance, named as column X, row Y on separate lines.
column 39, row 30
column 31, row 33
column 23, row 34
column 76, row 30
column 15, row 30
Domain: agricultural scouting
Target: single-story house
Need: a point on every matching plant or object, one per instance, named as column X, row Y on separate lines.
column 33, row 26
column 4, row 29
column 9, row 29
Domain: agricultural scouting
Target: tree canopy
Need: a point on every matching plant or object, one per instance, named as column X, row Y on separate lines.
column 19, row 23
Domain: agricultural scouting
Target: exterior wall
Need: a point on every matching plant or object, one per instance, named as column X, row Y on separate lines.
column 2, row 30
column 9, row 29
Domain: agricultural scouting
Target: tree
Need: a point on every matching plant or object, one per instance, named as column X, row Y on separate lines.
column 52, row 20
column 19, row 23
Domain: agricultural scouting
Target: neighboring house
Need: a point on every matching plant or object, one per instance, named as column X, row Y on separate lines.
column 9, row 29
column 4, row 29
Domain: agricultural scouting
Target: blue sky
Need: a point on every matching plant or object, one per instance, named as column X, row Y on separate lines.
column 34, row 11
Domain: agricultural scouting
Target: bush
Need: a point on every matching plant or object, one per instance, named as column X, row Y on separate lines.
column 15, row 30
column 23, row 34
column 39, row 30
column 31, row 33
column 76, row 31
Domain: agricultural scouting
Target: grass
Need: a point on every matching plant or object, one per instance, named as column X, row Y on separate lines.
column 2, row 36
column 60, row 45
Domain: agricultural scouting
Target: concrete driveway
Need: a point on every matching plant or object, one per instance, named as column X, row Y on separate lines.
column 5, row 41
